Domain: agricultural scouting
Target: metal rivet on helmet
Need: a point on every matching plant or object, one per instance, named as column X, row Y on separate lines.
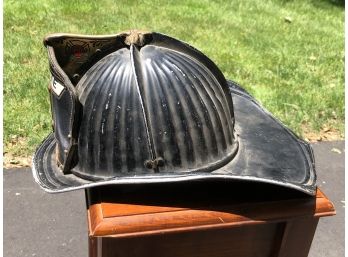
column 149, row 164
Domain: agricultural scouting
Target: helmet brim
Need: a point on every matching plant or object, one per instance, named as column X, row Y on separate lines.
column 268, row 153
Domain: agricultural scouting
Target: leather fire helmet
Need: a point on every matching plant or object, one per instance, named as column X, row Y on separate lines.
column 142, row 107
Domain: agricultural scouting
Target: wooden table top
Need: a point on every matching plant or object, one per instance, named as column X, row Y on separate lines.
column 134, row 211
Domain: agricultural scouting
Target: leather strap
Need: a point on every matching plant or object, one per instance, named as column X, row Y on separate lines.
column 65, row 114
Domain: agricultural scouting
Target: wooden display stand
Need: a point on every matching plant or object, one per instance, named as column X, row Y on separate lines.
column 202, row 220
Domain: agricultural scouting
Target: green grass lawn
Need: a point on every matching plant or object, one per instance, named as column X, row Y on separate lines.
column 288, row 54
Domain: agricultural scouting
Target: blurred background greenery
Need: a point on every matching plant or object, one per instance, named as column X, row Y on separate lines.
column 288, row 54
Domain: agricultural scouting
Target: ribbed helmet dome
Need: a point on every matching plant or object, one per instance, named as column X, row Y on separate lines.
column 152, row 107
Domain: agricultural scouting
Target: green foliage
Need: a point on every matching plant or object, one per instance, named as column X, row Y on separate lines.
column 288, row 54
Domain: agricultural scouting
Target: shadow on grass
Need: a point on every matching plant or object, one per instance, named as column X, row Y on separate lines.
column 321, row 3
column 328, row 3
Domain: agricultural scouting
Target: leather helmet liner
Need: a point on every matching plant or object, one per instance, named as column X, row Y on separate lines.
column 142, row 107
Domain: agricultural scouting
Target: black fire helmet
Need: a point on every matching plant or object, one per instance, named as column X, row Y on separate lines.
column 142, row 107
